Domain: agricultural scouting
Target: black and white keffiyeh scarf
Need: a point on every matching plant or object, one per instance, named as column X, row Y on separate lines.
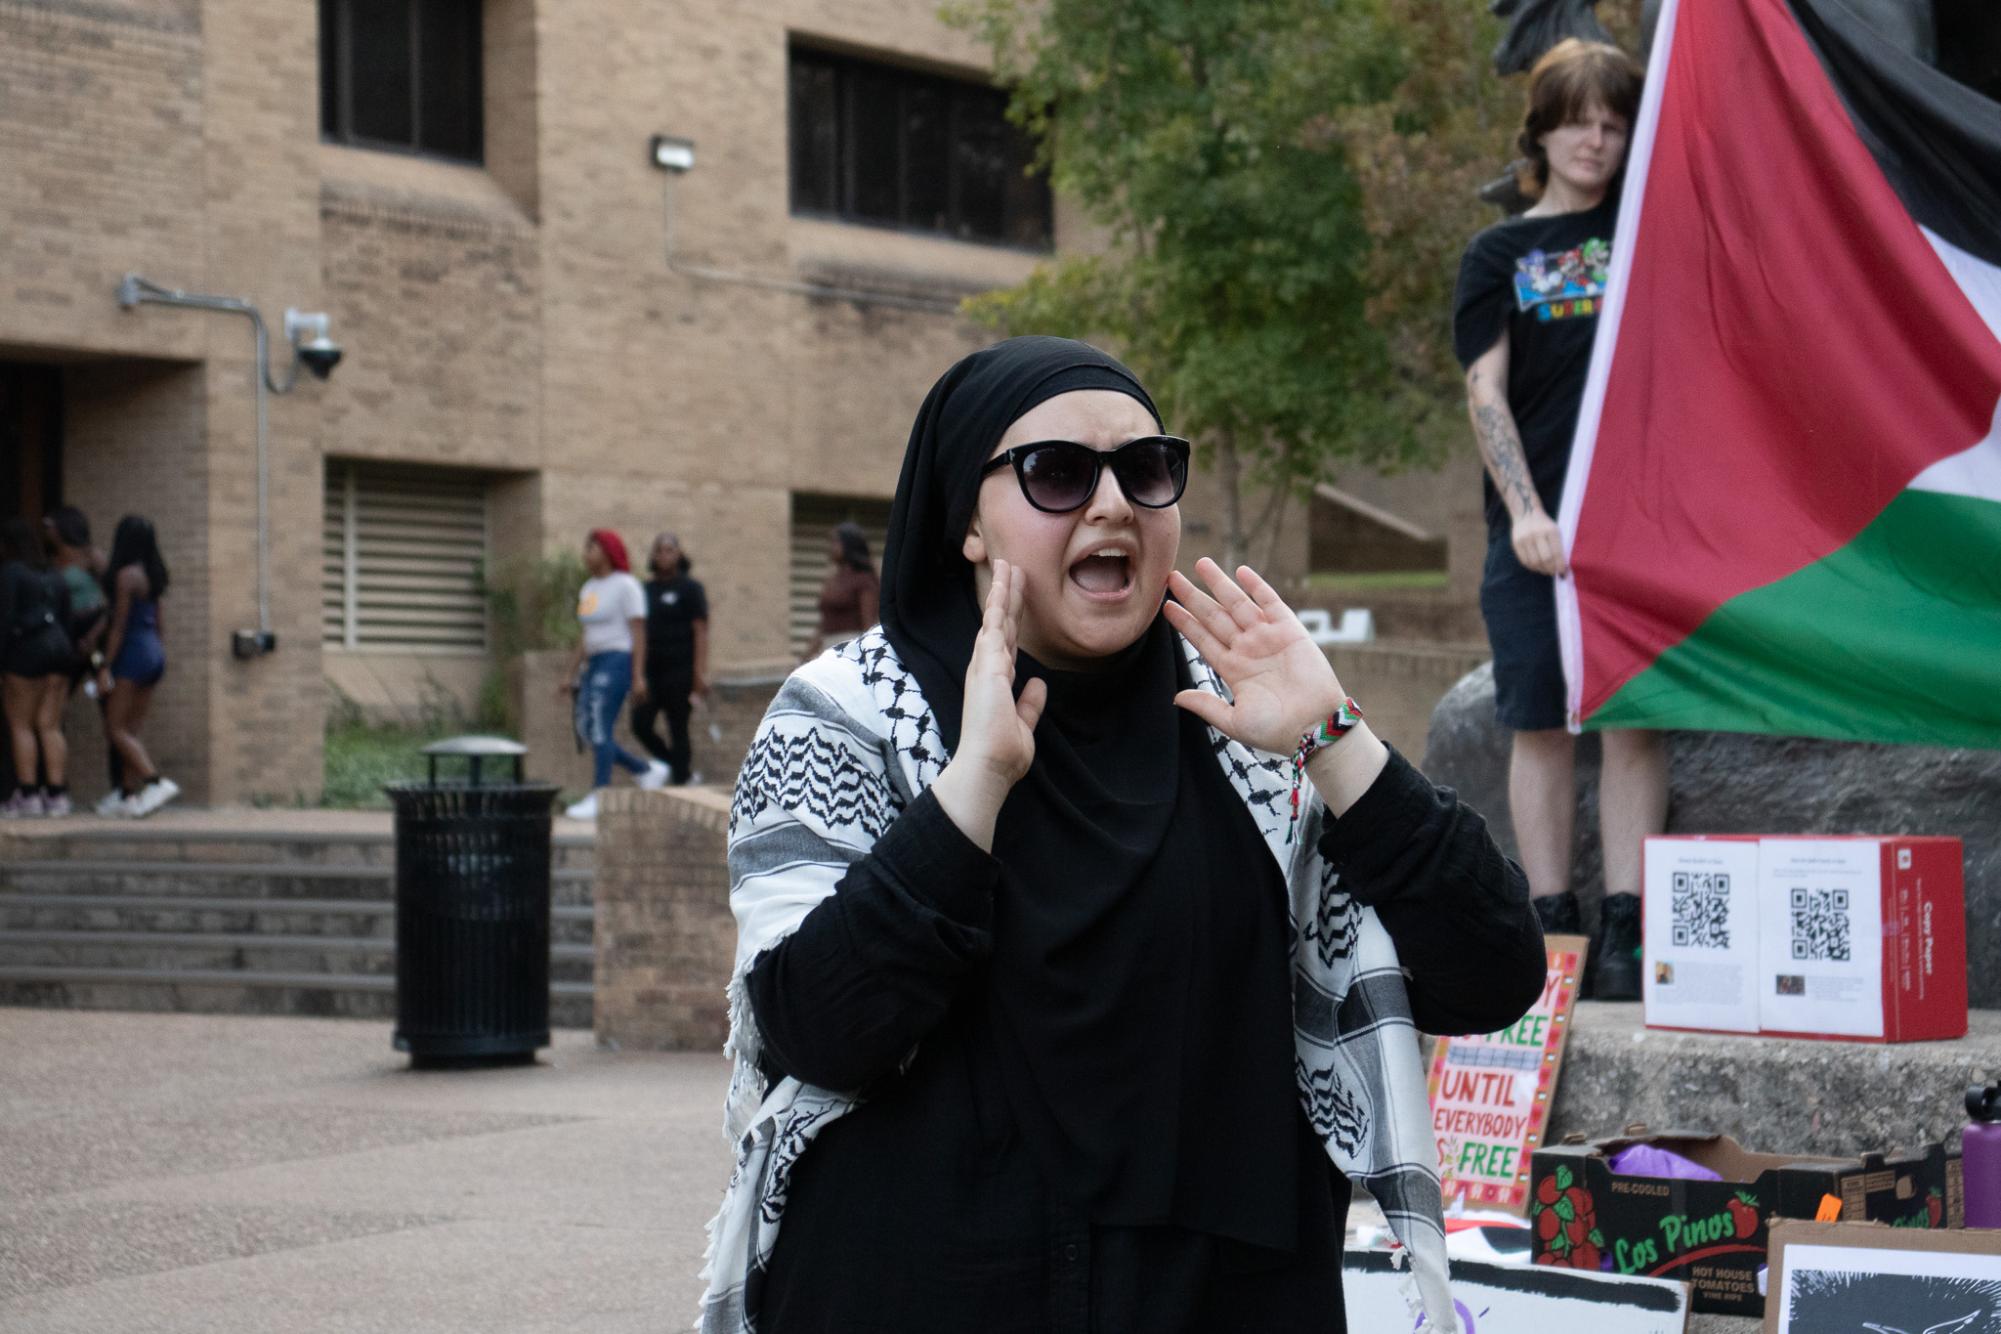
column 846, row 745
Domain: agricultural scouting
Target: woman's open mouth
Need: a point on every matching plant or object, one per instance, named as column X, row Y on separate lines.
column 1106, row 575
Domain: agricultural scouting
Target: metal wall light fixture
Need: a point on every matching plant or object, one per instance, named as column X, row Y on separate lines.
column 671, row 154
column 311, row 348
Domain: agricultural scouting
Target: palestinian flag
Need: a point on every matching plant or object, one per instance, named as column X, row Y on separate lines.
column 1783, row 510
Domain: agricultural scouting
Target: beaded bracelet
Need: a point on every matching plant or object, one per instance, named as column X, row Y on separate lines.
column 1322, row 734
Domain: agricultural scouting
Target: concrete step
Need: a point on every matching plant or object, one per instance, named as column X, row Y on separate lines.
column 568, row 924
column 218, row 951
column 1775, row 1095
column 569, row 885
column 136, row 841
column 233, row 992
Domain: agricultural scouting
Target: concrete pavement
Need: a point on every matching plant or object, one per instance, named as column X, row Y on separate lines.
column 204, row 1174
column 221, row 1174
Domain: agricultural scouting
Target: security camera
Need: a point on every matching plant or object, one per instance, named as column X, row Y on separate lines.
column 320, row 356
column 308, row 336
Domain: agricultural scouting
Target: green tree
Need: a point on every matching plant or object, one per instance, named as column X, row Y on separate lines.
column 1283, row 188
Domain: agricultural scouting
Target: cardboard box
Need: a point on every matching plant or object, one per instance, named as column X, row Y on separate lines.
column 1712, row 1234
column 1864, row 1276
column 1700, row 926
column 1859, row 937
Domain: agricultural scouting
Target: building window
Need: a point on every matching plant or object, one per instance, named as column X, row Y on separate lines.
column 895, row 148
column 402, row 75
column 402, row 559
column 813, row 520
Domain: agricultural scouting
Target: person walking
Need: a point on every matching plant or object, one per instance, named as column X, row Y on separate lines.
column 850, row 595
column 135, row 661
column 677, row 655
column 1084, row 928
column 1526, row 312
column 610, row 662
column 35, row 654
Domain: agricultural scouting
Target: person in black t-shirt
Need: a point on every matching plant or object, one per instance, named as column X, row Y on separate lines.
column 677, row 655
column 1525, row 316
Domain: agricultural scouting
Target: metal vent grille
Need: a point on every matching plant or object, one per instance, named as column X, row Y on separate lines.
column 403, row 552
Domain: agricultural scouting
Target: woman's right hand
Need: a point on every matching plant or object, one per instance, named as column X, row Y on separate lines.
column 996, row 730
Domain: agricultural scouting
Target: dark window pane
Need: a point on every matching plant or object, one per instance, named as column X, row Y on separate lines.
column 815, row 128
column 379, row 31
column 927, row 156
column 980, row 167
column 1026, row 219
column 329, row 69
column 874, row 143
column 448, row 78
column 874, row 159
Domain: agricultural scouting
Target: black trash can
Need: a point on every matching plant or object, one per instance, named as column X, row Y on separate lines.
column 472, row 909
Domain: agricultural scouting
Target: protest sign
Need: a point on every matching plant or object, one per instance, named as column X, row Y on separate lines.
column 1516, row 1299
column 1491, row 1095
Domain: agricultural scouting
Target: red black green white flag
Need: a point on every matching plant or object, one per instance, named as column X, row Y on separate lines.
column 1783, row 510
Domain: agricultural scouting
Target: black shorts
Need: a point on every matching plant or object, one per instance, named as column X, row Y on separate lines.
column 46, row 652
column 1519, row 607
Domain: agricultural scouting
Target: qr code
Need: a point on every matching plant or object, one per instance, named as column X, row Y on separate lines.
column 1820, row 924
column 1702, row 909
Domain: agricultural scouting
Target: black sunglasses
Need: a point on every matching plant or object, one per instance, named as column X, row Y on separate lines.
column 1058, row 476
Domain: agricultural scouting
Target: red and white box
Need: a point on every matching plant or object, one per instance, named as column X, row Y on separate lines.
column 1859, row 938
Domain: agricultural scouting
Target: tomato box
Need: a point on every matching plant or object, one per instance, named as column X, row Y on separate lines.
column 1712, row 1234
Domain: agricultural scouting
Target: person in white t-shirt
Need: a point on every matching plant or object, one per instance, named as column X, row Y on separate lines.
column 610, row 662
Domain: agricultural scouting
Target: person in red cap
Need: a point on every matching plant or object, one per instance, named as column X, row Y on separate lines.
column 609, row 663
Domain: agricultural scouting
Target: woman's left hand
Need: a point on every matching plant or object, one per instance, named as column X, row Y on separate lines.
column 1281, row 682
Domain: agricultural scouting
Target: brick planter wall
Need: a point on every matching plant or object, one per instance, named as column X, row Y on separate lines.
column 665, row 937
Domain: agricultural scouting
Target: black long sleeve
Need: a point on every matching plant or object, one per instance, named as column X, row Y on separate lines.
column 1456, row 907
column 875, row 965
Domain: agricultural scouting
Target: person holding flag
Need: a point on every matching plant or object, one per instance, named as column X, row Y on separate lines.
column 1783, row 508
column 1525, row 316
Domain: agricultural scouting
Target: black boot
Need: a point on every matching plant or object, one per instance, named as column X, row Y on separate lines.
column 1559, row 914
column 1616, row 951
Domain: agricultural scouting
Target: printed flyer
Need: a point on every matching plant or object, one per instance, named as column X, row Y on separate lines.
column 1491, row 1095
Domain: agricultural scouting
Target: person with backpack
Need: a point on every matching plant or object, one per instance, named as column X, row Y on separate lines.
column 35, row 653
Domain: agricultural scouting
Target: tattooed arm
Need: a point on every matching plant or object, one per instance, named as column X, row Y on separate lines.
column 1538, row 543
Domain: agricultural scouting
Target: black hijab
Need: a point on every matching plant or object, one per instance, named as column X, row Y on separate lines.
column 1138, row 990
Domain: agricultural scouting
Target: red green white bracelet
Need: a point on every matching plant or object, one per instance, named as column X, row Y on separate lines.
column 1317, row 737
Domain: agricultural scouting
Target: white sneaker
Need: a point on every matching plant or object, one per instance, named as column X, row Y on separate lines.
column 155, row 795
column 111, row 803
column 56, row 807
column 655, row 777
column 587, row 809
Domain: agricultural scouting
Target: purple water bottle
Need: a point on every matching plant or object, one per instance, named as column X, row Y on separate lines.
column 1982, row 1147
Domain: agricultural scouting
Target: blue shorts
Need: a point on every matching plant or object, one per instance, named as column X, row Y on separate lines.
column 1519, row 607
column 141, row 659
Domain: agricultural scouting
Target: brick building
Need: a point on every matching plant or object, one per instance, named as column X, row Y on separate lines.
column 544, row 330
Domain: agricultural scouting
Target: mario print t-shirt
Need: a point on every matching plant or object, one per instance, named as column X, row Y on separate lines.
column 1541, row 281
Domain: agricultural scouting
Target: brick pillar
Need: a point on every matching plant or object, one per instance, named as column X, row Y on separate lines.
column 665, row 937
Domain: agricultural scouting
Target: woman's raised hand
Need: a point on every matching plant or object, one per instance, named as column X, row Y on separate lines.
column 1281, row 682
column 996, row 730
